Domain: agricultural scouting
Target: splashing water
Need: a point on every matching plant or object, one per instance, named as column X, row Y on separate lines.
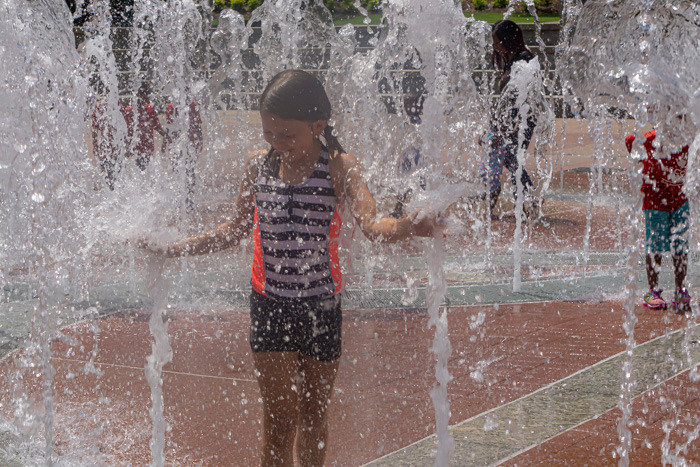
column 635, row 56
column 64, row 225
column 40, row 182
column 161, row 354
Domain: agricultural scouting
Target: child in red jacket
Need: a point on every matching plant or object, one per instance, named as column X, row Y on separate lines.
column 666, row 218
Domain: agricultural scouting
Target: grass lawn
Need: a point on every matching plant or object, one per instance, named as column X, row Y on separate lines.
column 493, row 16
column 342, row 20
column 488, row 16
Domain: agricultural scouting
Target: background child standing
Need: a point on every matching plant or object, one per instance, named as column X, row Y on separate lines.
column 410, row 160
column 188, row 151
column 104, row 146
column 666, row 214
column 141, row 127
column 521, row 98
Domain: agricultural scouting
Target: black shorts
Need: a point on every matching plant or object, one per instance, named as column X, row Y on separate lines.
column 308, row 326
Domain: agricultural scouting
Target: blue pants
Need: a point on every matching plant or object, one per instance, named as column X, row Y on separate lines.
column 492, row 169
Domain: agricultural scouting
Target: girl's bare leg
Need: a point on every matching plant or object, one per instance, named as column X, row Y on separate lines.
column 277, row 378
column 653, row 264
column 316, row 390
column 680, row 268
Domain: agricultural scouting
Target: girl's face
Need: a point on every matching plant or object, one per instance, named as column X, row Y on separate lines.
column 498, row 46
column 292, row 139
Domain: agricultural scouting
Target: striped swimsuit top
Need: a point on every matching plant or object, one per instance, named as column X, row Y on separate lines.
column 295, row 238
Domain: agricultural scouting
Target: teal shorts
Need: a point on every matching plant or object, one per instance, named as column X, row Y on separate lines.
column 667, row 231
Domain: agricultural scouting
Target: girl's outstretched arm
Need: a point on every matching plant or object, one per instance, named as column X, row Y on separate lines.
column 352, row 189
column 231, row 232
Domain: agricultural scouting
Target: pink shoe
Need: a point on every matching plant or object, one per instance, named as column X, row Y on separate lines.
column 681, row 300
column 653, row 300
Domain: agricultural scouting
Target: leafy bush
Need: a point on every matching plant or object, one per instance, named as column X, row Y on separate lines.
column 499, row 3
column 479, row 4
column 245, row 5
column 346, row 6
column 241, row 6
column 544, row 6
column 548, row 6
column 336, row 6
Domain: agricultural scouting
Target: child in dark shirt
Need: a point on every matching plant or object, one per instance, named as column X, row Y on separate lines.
column 509, row 55
column 666, row 218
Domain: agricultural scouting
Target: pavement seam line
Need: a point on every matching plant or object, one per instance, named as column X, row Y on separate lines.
column 127, row 367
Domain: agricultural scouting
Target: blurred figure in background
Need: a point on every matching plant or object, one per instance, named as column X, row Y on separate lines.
column 515, row 114
column 141, row 135
column 411, row 157
column 185, row 153
column 103, row 131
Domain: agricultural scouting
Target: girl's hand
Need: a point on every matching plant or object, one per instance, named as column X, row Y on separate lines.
column 144, row 244
column 426, row 224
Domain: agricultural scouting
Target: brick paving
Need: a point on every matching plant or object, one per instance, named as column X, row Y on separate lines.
column 381, row 402
column 665, row 428
column 504, row 351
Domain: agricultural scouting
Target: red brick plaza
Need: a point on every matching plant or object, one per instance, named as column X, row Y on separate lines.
column 537, row 375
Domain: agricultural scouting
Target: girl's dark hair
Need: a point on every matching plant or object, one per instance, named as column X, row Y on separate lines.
column 511, row 37
column 298, row 95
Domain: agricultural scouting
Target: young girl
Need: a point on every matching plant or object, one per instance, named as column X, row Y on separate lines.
column 289, row 200
column 509, row 53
